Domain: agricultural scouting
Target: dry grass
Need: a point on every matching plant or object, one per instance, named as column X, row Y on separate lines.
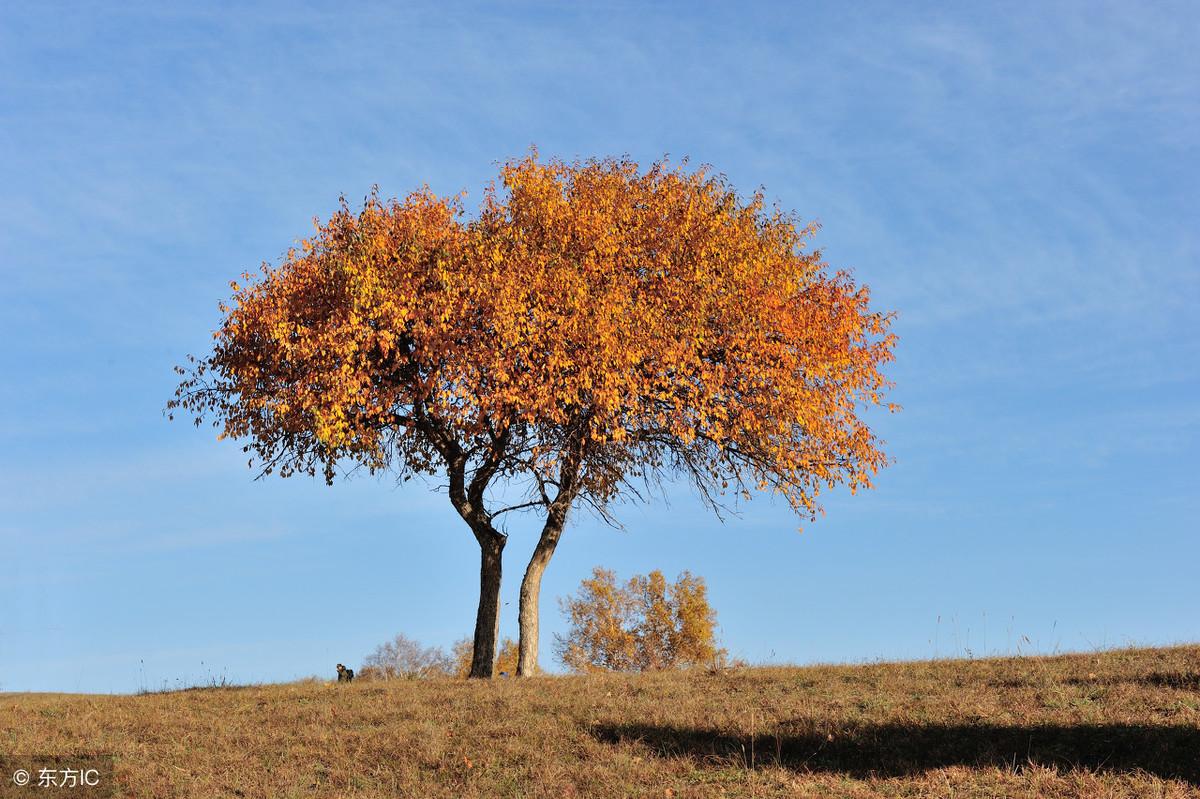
column 1120, row 723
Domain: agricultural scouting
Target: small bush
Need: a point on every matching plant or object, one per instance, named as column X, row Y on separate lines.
column 404, row 658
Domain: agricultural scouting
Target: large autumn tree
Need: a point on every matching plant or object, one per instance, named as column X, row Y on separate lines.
column 593, row 332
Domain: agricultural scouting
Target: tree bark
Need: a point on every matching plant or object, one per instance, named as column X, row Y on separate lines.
column 487, row 619
column 531, row 589
column 556, row 519
column 468, row 500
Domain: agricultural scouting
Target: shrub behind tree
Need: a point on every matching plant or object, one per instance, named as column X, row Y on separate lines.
column 506, row 658
column 646, row 624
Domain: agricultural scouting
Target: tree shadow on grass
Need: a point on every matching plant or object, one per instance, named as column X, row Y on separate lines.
column 1183, row 681
column 891, row 750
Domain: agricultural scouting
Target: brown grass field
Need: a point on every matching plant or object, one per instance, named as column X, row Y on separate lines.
column 1116, row 723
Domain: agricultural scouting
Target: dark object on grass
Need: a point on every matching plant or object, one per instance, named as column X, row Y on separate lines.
column 345, row 674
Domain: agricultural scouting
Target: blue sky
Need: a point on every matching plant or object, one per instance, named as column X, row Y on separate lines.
column 1018, row 181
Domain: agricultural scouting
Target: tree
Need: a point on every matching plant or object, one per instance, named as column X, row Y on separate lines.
column 601, row 626
column 404, row 657
column 647, row 624
column 595, row 331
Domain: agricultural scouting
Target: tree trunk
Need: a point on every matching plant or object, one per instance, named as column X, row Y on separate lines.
column 531, row 589
column 487, row 620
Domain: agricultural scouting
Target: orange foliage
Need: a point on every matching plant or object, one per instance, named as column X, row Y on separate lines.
column 463, row 650
column 647, row 624
column 594, row 325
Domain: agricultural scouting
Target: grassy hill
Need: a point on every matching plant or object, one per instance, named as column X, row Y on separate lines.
column 1118, row 723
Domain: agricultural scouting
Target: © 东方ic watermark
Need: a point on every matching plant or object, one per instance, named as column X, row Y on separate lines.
column 88, row 776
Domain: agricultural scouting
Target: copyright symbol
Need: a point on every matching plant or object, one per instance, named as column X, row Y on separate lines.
column 20, row 777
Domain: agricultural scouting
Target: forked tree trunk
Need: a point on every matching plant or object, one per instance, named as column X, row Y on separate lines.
column 487, row 620
column 531, row 589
